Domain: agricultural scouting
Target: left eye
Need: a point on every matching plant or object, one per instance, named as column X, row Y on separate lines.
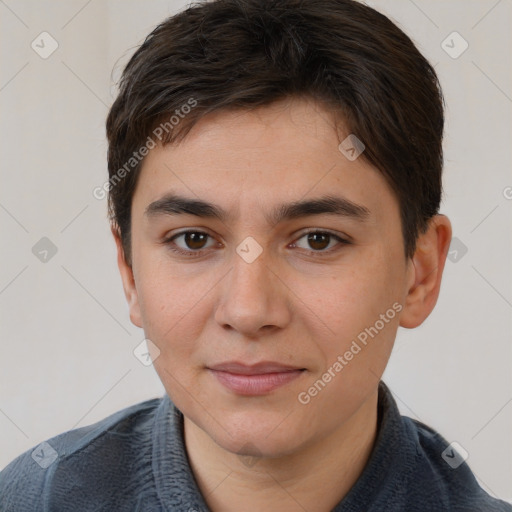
column 319, row 241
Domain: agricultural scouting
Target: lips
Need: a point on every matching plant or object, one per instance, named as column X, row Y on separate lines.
column 256, row 379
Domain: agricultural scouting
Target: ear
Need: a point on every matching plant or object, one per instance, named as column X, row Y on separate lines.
column 425, row 271
column 130, row 290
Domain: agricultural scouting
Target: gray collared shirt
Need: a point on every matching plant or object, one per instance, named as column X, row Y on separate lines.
column 135, row 460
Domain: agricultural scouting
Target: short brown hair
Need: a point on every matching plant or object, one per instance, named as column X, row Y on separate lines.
column 239, row 54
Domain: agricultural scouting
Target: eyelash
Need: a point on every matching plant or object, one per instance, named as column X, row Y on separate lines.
column 191, row 253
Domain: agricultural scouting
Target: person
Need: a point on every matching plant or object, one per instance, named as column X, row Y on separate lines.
column 274, row 189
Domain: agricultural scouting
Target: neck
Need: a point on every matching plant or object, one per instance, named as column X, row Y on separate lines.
column 315, row 477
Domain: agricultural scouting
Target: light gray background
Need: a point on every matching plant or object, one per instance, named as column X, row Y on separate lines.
column 66, row 339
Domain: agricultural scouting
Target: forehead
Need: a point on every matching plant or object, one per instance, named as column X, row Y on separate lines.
column 279, row 153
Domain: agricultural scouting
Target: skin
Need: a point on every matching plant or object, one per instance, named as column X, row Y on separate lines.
column 290, row 305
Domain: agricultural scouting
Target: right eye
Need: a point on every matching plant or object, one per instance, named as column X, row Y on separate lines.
column 191, row 243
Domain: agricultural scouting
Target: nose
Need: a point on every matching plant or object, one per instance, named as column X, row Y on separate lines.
column 253, row 298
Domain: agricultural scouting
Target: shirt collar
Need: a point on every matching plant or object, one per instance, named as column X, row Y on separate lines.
column 178, row 491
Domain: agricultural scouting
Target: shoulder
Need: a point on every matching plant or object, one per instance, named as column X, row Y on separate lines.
column 75, row 463
column 441, row 473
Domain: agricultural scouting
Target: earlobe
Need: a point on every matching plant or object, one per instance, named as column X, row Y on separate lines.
column 425, row 271
column 126, row 271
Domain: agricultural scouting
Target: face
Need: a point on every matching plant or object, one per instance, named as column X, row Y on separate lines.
column 269, row 271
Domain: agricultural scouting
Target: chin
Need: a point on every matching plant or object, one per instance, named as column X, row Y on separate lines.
column 257, row 434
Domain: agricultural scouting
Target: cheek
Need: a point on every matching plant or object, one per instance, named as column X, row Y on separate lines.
column 174, row 315
column 354, row 314
column 351, row 297
column 172, row 306
column 163, row 288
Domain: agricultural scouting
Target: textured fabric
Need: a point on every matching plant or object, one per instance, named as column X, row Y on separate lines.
column 135, row 460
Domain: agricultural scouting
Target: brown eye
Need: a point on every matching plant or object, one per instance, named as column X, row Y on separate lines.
column 319, row 241
column 194, row 240
column 190, row 243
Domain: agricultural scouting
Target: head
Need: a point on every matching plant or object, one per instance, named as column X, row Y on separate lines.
column 250, row 229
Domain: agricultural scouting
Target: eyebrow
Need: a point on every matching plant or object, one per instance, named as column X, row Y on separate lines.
column 173, row 204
